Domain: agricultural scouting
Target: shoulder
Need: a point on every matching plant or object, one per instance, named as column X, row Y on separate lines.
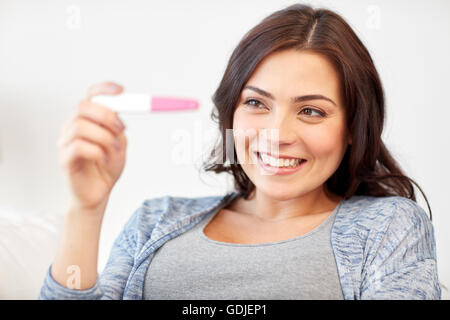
column 385, row 224
column 367, row 222
column 370, row 212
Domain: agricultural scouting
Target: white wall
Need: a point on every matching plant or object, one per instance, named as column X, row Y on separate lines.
column 51, row 51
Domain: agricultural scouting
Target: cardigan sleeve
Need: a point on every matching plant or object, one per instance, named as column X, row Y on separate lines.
column 402, row 264
column 111, row 283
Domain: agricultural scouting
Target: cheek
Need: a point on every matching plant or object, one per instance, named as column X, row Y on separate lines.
column 243, row 121
column 325, row 141
column 245, row 129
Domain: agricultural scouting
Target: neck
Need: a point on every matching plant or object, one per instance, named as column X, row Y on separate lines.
column 266, row 207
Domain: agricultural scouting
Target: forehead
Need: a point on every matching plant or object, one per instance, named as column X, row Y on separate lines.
column 292, row 72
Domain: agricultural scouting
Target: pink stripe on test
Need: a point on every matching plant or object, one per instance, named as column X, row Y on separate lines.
column 172, row 104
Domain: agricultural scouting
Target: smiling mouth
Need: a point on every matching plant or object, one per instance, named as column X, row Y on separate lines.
column 279, row 163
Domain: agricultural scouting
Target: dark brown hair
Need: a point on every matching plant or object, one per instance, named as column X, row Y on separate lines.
column 367, row 167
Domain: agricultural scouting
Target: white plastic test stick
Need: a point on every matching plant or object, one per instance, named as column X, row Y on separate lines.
column 144, row 103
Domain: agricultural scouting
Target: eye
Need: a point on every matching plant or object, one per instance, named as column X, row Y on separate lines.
column 253, row 105
column 320, row 113
column 256, row 104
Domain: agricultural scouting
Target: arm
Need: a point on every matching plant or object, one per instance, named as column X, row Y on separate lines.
column 111, row 283
column 403, row 263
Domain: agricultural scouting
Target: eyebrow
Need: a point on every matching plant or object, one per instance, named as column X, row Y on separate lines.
column 295, row 99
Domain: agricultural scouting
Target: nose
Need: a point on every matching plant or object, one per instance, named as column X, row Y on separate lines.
column 283, row 128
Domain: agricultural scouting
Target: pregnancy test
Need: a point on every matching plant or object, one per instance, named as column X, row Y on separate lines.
column 144, row 103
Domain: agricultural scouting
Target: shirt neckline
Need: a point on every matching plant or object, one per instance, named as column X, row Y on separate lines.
column 231, row 244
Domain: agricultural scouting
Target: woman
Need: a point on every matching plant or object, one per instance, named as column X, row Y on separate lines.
column 321, row 210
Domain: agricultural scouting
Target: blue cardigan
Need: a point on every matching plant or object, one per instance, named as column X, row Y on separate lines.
column 384, row 248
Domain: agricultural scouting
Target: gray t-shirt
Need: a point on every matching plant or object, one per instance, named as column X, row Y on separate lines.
column 192, row 266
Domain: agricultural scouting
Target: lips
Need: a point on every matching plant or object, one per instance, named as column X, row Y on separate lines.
column 279, row 171
column 298, row 162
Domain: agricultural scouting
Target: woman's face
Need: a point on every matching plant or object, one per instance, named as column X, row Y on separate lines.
column 311, row 128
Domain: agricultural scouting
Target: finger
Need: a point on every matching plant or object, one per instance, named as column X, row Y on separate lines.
column 90, row 131
column 82, row 149
column 108, row 87
column 101, row 115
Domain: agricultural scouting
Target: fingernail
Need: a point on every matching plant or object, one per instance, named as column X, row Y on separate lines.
column 119, row 125
column 113, row 87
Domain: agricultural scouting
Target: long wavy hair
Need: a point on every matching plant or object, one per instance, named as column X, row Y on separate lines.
column 367, row 167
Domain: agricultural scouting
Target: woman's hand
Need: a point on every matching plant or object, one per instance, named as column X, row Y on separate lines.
column 92, row 151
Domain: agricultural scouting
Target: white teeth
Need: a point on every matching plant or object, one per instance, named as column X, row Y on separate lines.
column 273, row 162
column 277, row 162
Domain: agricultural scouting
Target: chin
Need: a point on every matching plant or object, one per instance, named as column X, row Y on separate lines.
column 281, row 193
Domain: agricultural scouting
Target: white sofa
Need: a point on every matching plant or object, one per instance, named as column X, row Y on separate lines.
column 28, row 243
